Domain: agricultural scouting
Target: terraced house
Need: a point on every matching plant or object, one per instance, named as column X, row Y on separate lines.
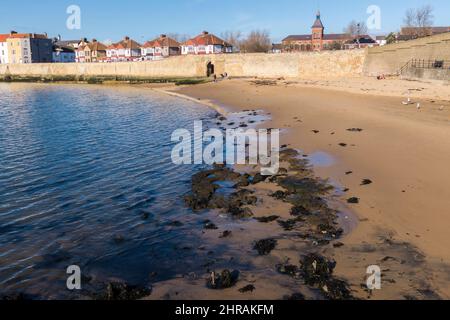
column 27, row 48
column 125, row 50
column 93, row 51
column 4, row 57
column 161, row 47
column 206, row 43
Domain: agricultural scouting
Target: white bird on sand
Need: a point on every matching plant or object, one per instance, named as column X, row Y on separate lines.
column 418, row 106
column 407, row 102
column 441, row 108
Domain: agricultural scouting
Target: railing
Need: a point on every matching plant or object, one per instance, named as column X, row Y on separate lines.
column 430, row 64
column 425, row 64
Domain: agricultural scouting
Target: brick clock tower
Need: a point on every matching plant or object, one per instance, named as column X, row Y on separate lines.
column 317, row 34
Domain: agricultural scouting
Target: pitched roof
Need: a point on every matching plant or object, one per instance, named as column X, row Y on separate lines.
column 95, row 46
column 67, row 43
column 298, row 37
column 206, row 39
column 148, row 44
column 3, row 37
column 162, row 41
column 318, row 23
column 126, row 43
column 62, row 48
column 27, row 35
column 362, row 39
column 277, row 46
column 337, row 36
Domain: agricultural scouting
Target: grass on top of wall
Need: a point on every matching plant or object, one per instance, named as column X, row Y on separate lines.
column 104, row 79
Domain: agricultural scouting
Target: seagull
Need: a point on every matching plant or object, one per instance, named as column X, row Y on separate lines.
column 418, row 106
column 407, row 102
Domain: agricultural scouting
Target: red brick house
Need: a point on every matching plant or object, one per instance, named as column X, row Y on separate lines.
column 317, row 40
column 125, row 50
column 161, row 47
column 206, row 43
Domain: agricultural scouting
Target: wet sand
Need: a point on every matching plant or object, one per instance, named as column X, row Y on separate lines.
column 404, row 214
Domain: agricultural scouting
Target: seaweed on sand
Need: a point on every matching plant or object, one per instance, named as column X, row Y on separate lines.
column 224, row 280
column 265, row 247
column 317, row 271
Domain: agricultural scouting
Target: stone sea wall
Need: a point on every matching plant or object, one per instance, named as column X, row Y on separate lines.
column 391, row 58
column 303, row 65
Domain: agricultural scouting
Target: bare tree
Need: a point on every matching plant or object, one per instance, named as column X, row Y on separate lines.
column 410, row 18
column 234, row 38
column 355, row 28
column 256, row 41
column 179, row 37
column 418, row 21
column 424, row 17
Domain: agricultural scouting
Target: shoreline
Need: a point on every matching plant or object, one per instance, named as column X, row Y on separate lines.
column 371, row 231
column 374, row 240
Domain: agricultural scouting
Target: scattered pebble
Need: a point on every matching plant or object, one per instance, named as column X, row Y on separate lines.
column 249, row 288
column 353, row 200
column 338, row 245
column 208, row 225
column 226, row 234
column 366, row 182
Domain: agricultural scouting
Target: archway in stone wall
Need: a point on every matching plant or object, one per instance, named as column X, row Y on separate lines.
column 209, row 69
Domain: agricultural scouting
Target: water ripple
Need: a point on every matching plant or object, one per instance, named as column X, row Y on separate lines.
column 80, row 165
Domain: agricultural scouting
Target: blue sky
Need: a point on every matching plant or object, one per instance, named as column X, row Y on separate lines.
column 144, row 19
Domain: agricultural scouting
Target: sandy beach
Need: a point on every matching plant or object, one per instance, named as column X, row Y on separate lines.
column 403, row 150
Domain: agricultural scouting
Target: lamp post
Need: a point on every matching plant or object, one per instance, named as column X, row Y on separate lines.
column 358, row 30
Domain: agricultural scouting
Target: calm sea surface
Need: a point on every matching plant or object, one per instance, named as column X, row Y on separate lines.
column 86, row 178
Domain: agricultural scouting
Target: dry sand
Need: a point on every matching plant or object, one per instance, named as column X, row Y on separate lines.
column 404, row 215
